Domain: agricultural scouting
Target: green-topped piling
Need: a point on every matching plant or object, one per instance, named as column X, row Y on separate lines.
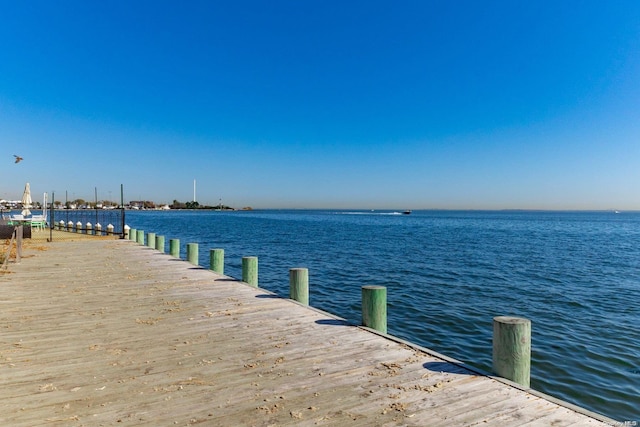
column 174, row 248
column 216, row 260
column 151, row 240
column 192, row 253
column 250, row 270
column 299, row 285
column 512, row 349
column 374, row 307
column 160, row 243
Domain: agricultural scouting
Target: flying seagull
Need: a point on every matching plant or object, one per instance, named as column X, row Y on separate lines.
column 18, row 158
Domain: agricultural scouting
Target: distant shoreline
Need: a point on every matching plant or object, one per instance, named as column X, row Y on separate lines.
column 365, row 210
column 250, row 209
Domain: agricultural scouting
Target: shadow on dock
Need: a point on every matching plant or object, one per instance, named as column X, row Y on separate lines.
column 450, row 368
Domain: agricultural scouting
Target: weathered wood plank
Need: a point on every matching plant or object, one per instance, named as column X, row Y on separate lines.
column 106, row 332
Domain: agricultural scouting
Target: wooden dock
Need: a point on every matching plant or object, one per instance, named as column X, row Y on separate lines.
column 99, row 332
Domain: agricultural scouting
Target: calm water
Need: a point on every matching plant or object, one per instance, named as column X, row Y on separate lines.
column 575, row 275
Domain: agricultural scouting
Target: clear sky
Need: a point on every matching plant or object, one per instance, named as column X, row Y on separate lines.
column 324, row 104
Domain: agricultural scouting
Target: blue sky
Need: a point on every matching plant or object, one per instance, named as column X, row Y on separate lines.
column 324, row 104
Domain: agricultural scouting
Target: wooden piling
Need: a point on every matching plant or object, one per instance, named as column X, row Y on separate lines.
column 250, row 270
column 374, row 307
column 160, row 243
column 512, row 349
column 192, row 253
column 174, row 248
column 141, row 237
column 299, row 285
column 19, row 232
column 89, row 227
column 216, row 258
column 133, row 234
column 151, row 240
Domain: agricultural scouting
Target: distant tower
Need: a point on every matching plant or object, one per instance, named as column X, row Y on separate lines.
column 194, row 190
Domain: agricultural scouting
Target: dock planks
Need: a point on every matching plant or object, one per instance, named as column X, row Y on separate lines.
column 109, row 332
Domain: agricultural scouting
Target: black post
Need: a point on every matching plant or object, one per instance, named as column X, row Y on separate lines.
column 122, row 206
column 96, row 206
column 53, row 216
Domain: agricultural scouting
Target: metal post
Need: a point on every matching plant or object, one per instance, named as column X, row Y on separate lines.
column 53, row 216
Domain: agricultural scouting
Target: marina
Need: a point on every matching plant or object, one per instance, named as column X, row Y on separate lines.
column 575, row 275
column 99, row 331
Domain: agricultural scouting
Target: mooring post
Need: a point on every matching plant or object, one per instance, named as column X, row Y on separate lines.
column 250, row 270
column 141, row 237
column 127, row 236
column 19, row 230
column 160, row 243
column 70, row 226
column 133, row 234
column 299, row 285
column 151, row 240
column 374, row 307
column 79, row 227
column 89, row 228
column 174, row 248
column 512, row 349
column 98, row 230
column 192, row 253
column 216, row 260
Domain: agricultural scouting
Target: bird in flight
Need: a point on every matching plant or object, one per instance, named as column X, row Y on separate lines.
column 18, row 158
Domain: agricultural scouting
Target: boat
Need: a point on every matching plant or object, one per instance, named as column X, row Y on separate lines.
column 407, row 212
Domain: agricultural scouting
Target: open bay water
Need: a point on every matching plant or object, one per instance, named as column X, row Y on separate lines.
column 575, row 275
